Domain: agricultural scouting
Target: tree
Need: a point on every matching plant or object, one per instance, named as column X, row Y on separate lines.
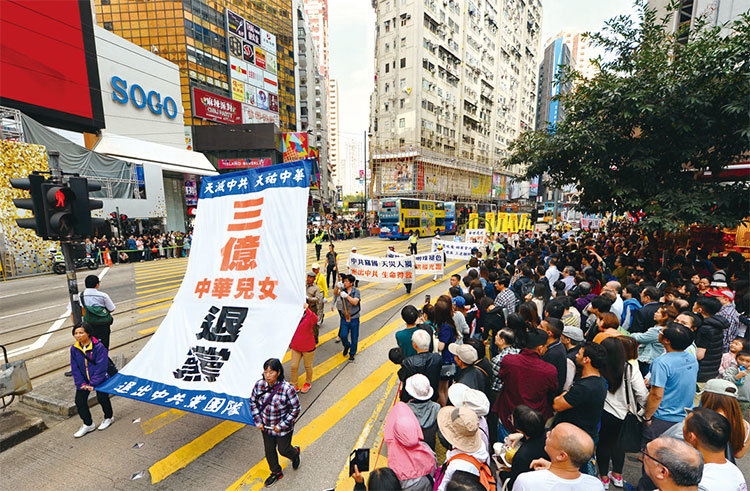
column 352, row 198
column 663, row 109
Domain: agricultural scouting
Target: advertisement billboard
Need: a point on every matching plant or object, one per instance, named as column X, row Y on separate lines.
column 294, row 146
column 216, row 108
column 244, row 163
column 252, row 62
column 49, row 63
column 396, row 176
column 251, row 115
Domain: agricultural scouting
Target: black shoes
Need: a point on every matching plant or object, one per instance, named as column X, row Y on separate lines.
column 346, row 350
column 351, row 358
column 295, row 461
column 275, row 476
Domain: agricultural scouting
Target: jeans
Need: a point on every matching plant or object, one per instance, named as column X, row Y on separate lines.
column 308, row 360
column 82, row 397
column 284, row 444
column 609, row 447
column 346, row 328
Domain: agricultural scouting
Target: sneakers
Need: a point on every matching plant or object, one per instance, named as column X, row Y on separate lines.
column 305, row 388
column 296, row 388
column 275, row 476
column 605, row 481
column 85, row 429
column 295, row 461
column 106, row 423
column 616, row 481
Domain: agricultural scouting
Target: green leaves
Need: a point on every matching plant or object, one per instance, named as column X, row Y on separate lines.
column 639, row 135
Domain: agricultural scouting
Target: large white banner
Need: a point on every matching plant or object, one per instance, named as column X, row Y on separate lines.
column 240, row 301
column 476, row 235
column 426, row 263
column 454, row 250
column 382, row 269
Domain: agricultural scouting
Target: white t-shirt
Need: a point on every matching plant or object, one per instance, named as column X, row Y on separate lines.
column 546, row 480
column 722, row 477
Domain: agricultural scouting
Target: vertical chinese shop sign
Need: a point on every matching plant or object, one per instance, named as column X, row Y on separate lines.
column 240, row 301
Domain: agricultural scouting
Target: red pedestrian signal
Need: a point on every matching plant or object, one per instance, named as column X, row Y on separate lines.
column 60, row 197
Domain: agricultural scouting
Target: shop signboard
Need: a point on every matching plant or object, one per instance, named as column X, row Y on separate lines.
column 260, row 57
column 273, row 102
column 216, row 108
column 255, row 76
column 251, row 115
column 238, row 91
column 268, row 41
column 244, row 163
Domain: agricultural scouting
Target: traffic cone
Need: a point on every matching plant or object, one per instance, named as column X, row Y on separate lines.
column 107, row 259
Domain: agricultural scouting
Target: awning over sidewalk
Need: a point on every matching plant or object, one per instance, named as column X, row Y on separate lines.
column 170, row 158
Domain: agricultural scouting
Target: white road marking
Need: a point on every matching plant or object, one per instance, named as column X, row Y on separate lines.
column 30, row 311
column 42, row 340
column 24, row 293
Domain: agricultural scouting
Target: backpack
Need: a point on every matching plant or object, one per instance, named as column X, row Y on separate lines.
column 486, row 478
column 95, row 314
column 525, row 286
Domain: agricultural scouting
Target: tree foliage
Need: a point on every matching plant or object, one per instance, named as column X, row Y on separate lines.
column 664, row 108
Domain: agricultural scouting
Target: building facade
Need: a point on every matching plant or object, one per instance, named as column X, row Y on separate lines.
column 455, row 83
column 716, row 12
column 557, row 57
column 333, row 128
column 351, row 169
column 580, row 51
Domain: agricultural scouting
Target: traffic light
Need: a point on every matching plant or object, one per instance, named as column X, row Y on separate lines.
column 58, row 210
column 83, row 223
column 33, row 184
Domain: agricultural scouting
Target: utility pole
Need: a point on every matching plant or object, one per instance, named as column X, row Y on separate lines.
column 364, row 152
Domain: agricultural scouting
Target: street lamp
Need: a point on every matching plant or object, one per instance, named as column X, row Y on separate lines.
column 367, row 134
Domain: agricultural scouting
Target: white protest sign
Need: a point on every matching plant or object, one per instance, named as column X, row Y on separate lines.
column 382, row 269
column 426, row 263
column 454, row 250
column 240, row 301
column 476, row 235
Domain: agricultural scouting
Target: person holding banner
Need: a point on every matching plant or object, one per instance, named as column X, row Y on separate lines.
column 88, row 364
column 275, row 407
column 349, row 311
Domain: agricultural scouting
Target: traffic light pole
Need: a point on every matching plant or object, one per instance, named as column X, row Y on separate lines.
column 70, row 275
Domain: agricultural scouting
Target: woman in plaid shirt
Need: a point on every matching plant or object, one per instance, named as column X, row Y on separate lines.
column 275, row 408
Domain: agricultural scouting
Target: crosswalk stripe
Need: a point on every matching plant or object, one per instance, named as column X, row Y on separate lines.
column 152, row 302
column 150, row 330
column 158, row 293
column 173, row 275
column 159, row 289
column 171, row 282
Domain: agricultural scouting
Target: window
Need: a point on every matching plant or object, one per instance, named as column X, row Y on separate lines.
column 386, row 87
column 387, row 26
column 404, row 20
column 387, row 67
column 402, row 123
column 403, row 63
column 385, row 106
column 401, row 103
column 402, row 84
column 403, row 42
column 387, row 47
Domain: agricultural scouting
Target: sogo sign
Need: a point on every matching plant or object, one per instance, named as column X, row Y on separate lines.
column 141, row 99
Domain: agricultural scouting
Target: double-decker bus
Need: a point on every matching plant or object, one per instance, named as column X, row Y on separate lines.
column 450, row 217
column 401, row 216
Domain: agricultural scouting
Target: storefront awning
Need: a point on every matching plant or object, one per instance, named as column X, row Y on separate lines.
column 170, row 158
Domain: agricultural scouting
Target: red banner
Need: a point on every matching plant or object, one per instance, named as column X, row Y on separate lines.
column 216, row 108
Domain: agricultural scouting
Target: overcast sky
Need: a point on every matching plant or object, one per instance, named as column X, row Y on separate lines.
column 351, row 39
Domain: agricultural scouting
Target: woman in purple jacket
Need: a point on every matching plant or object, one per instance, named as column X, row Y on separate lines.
column 88, row 362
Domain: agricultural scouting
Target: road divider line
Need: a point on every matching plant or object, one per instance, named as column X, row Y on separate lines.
column 148, row 276
column 311, row 432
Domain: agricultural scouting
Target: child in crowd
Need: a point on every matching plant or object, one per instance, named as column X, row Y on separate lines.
column 729, row 359
column 738, row 375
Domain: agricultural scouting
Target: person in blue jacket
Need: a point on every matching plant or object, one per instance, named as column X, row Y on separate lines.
column 88, row 362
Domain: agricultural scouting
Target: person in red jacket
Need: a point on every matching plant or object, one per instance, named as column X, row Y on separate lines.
column 303, row 347
column 88, row 363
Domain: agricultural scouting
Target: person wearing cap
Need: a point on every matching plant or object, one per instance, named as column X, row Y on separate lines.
column 467, row 371
column 420, row 397
column 572, row 339
column 725, row 296
column 459, row 316
column 527, row 379
column 459, row 426
column 320, row 280
column 413, row 237
column 569, row 448
column 409, row 456
column 460, row 395
column 315, row 301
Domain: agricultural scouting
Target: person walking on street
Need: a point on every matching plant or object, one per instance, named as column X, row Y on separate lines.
column 88, row 364
column 318, row 243
column 315, row 301
column 350, row 309
column 413, row 237
column 320, row 280
column 275, row 407
column 332, row 265
column 303, row 346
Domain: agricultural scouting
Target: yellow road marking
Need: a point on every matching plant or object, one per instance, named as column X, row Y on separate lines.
column 143, row 332
column 151, row 309
column 158, row 300
column 159, row 289
column 146, row 319
column 171, row 282
column 159, row 293
column 156, row 272
column 161, row 420
column 307, row 435
column 174, row 275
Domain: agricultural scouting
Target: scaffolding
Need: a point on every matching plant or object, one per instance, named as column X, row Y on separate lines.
column 10, row 124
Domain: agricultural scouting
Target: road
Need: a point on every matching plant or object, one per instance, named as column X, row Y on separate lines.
column 177, row 450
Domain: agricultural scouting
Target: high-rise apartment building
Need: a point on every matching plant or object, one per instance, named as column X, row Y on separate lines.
column 455, row 83
column 192, row 34
column 317, row 14
column 351, row 170
column 716, row 12
column 580, row 51
column 333, row 126
column 557, row 57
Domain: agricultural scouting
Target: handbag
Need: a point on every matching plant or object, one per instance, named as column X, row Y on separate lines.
column 632, row 426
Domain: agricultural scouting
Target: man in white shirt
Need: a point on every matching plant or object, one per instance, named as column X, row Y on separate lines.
column 709, row 432
column 552, row 273
column 616, row 289
column 672, row 464
column 92, row 297
column 568, row 277
column 568, row 447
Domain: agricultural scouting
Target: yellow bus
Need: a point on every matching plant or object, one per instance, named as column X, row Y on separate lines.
column 401, row 216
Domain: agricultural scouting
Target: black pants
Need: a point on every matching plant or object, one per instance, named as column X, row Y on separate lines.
column 102, row 332
column 82, row 397
column 413, row 248
column 283, row 443
column 318, row 247
column 330, row 275
column 408, row 287
column 609, row 447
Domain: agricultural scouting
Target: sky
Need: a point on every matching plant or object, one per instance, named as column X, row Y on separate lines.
column 351, row 37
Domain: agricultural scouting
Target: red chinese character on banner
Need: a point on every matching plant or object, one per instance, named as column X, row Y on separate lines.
column 393, row 274
column 245, row 287
column 250, row 214
column 222, row 287
column 239, row 254
column 203, row 287
column 407, row 275
column 266, row 288
column 400, row 275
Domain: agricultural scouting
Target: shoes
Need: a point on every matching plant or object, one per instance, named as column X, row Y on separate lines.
column 337, row 340
column 295, row 461
column 85, row 429
column 605, row 481
column 106, row 423
column 68, row 373
column 616, row 481
column 351, row 358
column 346, row 350
column 296, row 388
column 275, row 476
column 305, row 388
